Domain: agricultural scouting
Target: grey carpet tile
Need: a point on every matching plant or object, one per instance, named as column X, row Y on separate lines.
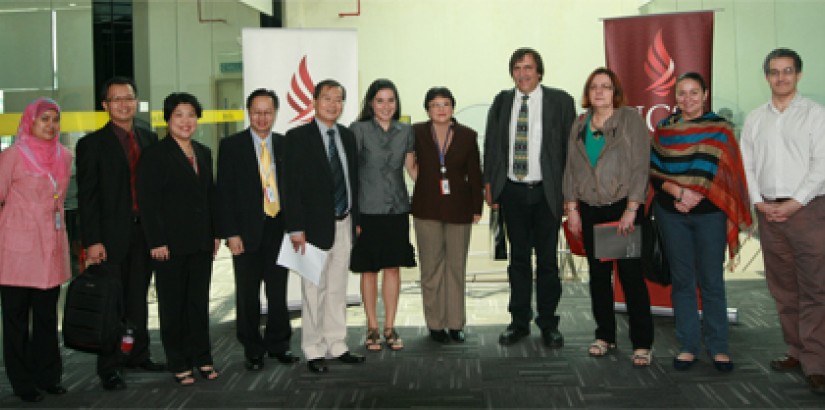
column 478, row 374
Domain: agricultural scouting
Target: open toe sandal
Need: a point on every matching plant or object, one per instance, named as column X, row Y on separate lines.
column 600, row 348
column 642, row 357
column 373, row 341
column 393, row 341
column 184, row 379
column 208, row 372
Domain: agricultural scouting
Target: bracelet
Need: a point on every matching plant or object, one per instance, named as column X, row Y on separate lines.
column 632, row 209
column 572, row 208
column 681, row 194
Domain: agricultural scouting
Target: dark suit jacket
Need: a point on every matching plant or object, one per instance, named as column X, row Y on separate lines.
column 558, row 113
column 104, row 189
column 463, row 172
column 308, row 200
column 240, row 195
column 176, row 203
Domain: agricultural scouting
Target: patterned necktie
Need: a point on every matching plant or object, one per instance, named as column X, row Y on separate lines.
column 268, row 181
column 520, row 146
column 340, row 194
column 134, row 155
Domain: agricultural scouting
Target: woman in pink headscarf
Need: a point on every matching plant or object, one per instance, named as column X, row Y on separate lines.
column 34, row 256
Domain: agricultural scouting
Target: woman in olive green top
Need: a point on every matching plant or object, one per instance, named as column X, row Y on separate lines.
column 605, row 180
column 385, row 148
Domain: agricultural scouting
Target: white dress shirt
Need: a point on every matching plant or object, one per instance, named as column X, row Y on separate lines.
column 784, row 152
column 534, row 127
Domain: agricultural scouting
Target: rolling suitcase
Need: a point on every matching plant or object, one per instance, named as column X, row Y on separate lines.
column 92, row 315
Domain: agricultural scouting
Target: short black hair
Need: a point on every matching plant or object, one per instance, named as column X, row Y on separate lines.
column 328, row 83
column 435, row 92
column 692, row 75
column 519, row 54
column 367, row 113
column 173, row 100
column 262, row 92
column 782, row 53
column 116, row 80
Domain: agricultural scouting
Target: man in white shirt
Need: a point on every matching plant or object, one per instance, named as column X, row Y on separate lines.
column 783, row 148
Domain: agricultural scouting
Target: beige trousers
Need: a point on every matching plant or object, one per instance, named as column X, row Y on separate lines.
column 442, row 253
column 324, row 307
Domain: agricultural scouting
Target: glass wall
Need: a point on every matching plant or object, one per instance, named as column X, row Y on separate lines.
column 191, row 46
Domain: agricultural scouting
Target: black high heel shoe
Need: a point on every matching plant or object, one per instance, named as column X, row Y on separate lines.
column 208, row 372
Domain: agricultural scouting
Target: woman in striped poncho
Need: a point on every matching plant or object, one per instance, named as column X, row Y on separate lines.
column 701, row 204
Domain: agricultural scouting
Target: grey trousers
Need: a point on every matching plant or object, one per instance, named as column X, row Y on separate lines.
column 442, row 249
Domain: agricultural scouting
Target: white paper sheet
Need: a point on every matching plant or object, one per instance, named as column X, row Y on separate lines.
column 309, row 265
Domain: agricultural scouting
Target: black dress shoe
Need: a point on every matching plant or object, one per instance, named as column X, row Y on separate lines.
column 317, row 365
column 56, row 389
column 149, row 366
column 352, row 358
column 457, row 335
column 285, row 357
column 816, row 383
column 512, row 335
column 113, row 381
column 552, row 338
column 254, row 363
column 439, row 336
column 31, row 397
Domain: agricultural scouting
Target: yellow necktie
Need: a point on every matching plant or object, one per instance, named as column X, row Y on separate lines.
column 272, row 207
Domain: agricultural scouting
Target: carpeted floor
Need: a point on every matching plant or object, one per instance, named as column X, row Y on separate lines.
column 476, row 374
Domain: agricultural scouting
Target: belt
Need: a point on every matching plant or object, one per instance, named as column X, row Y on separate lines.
column 135, row 219
column 528, row 184
column 779, row 200
column 342, row 216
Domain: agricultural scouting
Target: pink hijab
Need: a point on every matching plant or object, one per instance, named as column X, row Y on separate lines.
column 41, row 156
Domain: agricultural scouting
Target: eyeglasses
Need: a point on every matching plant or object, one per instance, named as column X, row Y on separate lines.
column 122, row 99
column 606, row 87
column 440, row 105
column 787, row 71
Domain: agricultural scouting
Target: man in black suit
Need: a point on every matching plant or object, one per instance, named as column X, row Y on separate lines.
column 524, row 154
column 250, row 172
column 320, row 203
column 110, row 218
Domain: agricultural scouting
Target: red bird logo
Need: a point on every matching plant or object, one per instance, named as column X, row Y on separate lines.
column 659, row 67
column 300, row 94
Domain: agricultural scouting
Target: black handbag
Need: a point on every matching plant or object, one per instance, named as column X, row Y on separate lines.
column 92, row 317
column 654, row 261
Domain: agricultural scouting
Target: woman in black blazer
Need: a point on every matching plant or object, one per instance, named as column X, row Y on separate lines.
column 175, row 194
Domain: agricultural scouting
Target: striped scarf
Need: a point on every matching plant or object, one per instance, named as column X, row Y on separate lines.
column 702, row 154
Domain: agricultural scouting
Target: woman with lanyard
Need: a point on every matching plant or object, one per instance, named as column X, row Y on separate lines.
column 34, row 250
column 446, row 202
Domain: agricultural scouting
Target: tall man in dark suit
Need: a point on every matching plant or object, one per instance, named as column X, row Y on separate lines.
column 250, row 172
column 524, row 154
column 110, row 218
column 320, row 203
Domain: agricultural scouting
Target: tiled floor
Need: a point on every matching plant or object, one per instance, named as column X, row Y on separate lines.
column 477, row 374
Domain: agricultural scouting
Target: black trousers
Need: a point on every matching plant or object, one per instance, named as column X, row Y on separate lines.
column 183, row 283
column 135, row 276
column 251, row 268
column 601, row 281
column 31, row 356
column 531, row 226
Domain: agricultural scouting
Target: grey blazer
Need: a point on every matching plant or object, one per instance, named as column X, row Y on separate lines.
column 558, row 113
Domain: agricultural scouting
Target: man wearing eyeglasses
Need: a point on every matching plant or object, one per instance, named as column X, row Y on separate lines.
column 110, row 219
column 783, row 150
column 525, row 149
column 250, row 174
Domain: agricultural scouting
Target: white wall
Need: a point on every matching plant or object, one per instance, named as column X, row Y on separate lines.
column 466, row 44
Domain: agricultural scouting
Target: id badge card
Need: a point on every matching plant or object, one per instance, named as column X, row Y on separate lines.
column 270, row 194
column 57, row 222
column 445, row 186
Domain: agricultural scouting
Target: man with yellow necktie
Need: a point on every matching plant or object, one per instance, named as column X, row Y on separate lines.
column 250, row 218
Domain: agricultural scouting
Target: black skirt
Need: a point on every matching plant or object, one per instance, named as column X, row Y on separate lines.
column 384, row 243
